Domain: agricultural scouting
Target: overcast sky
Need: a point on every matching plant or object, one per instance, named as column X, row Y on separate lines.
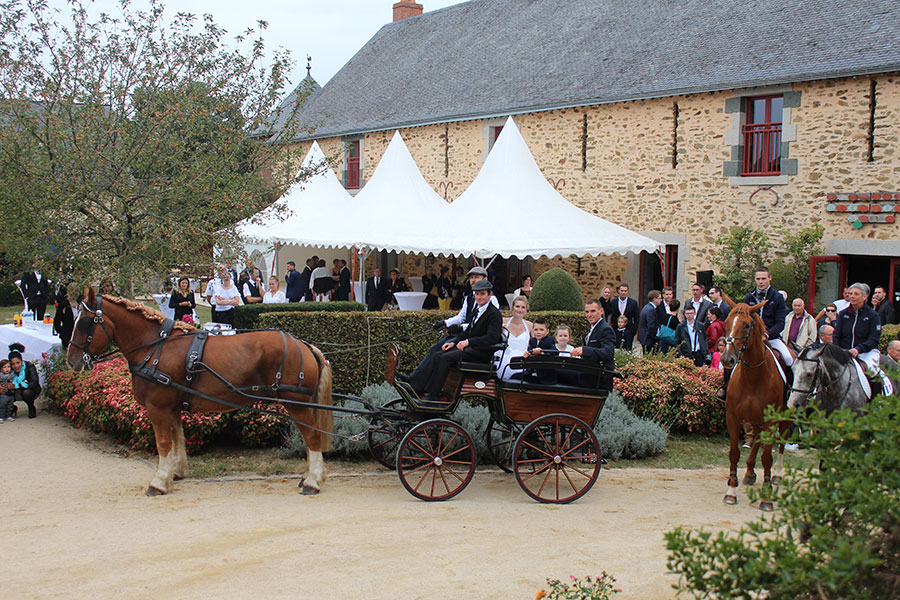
column 331, row 31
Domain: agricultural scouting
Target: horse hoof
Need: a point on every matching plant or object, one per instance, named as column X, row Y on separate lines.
column 308, row 490
column 776, row 480
column 766, row 506
column 729, row 499
column 152, row 491
column 748, row 480
column 177, row 477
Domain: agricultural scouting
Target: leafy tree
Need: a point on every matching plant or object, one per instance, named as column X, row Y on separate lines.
column 801, row 247
column 738, row 253
column 836, row 535
column 556, row 290
column 129, row 144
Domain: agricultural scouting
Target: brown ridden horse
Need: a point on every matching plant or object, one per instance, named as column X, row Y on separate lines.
column 754, row 386
column 260, row 363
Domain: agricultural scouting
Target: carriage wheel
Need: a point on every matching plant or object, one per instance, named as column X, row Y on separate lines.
column 436, row 460
column 556, row 459
column 500, row 439
column 384, row 437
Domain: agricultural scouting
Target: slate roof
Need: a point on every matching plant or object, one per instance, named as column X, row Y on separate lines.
column 498, row 57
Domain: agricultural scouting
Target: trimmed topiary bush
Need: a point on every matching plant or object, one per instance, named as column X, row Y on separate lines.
column 556, row 290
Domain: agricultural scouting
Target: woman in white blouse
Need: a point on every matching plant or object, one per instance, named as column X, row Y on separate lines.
column 274, row 295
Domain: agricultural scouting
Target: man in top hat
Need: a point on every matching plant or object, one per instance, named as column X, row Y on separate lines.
column 475, row 343
column 455, row 325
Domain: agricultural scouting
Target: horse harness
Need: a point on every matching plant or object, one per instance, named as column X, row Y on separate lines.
column 193, row 365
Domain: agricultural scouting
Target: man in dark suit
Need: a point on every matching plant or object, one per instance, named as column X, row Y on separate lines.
column 715, row 296
column 650, row 321
column 691, row 337
column 294, row 289
column 476, row 343
column 341, row 280
column 311, row 263
column 599, row 347
column 773, row 313
column 663, row 309
column 883, row 305
column 623, row 305
column 376, row 290
column 36, row 289
column 454, row 326
column 700, row 304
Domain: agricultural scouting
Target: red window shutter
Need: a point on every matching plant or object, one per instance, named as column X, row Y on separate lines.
column 353, row 166
column 762, row 136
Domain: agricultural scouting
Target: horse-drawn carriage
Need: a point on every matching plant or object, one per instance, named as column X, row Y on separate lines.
column 543, row 434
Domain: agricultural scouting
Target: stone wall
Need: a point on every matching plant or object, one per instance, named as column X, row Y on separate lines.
column 624, row 170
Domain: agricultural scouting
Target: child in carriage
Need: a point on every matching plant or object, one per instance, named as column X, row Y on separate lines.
column 562, row 337
column 540, row 341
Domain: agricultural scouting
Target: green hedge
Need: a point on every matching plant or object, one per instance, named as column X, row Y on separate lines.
column 246, row 316
column 888, row 333
column 336, row 332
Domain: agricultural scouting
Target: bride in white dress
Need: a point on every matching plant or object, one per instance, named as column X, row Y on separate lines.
column 519, row 333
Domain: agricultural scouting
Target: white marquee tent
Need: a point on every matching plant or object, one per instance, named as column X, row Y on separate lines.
column 396, row 210
column 512, row 210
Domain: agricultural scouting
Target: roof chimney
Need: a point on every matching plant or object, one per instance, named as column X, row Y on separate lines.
column 405, row 9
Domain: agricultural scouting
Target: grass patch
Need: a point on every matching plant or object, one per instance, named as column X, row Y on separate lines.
column 688, row 451
column 683, row 451
column 7, row 312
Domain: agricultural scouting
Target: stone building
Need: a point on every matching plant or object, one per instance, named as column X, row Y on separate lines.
column 674, row 119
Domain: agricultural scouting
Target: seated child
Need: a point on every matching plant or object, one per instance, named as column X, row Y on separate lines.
column 562, row 337
column 6, row 391
column 622, row 340
column 717, row 355
column 540, row 340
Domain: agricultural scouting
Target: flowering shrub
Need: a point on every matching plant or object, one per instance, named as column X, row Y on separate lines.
column 103, row 401
column 674, row 393
column 601, row 587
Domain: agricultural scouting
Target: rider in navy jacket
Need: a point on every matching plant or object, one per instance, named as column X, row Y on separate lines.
column 773, row 312
column 858, row 329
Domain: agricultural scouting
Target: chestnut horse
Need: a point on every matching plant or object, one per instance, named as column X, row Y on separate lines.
column 232, row 371
column 755, row 385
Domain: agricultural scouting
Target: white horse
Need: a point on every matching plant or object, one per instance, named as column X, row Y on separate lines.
column 827, row 372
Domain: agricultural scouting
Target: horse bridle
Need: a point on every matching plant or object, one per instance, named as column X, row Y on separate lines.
column 89, row 357
column 730, row 340
column 810, row 392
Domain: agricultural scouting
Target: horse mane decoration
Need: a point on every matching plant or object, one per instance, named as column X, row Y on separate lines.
column 150, row 313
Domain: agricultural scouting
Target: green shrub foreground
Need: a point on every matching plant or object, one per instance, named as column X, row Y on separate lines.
column 836, row 535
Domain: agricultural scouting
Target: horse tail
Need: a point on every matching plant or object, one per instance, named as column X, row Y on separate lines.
column 322, row 395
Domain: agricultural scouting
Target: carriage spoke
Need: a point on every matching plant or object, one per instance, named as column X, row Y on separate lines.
column 533, row 447
column 448, row 455
column 539, row 471
column 544, row 482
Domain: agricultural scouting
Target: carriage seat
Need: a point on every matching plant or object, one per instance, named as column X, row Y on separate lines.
column 566, row 363
column 485, row 368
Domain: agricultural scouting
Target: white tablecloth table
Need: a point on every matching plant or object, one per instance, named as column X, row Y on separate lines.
column 410, row 300
column 359, row 292
column 162, row 302
column 36, row 337
column 509, row 298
